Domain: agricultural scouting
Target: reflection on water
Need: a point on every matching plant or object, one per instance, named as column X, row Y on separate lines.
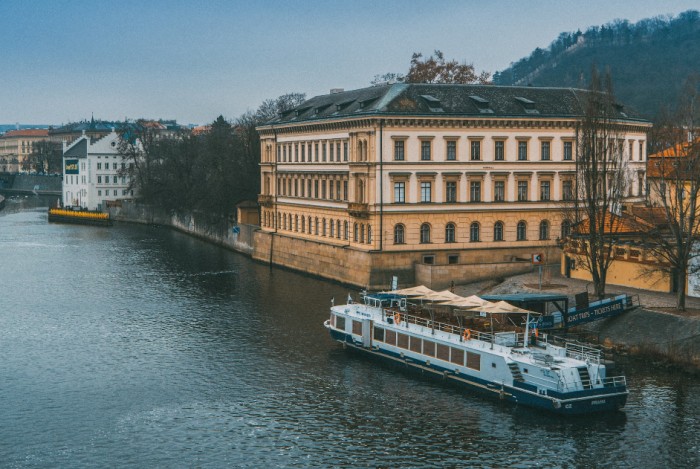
column 136, row 345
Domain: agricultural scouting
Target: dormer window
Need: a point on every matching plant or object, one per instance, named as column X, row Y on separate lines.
column 481, row 104
column 528, row 106
column 434, row 104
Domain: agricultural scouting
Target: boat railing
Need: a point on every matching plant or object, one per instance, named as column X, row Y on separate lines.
column 582, row 352
column 615, row 381
column 406, row 319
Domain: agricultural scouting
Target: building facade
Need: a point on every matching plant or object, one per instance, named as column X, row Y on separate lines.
column 362, row 185
column 94, row 172
column 16, row 146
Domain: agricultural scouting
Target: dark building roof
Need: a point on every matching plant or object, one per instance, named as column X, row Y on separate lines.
column 78, row 150
column 422, row 100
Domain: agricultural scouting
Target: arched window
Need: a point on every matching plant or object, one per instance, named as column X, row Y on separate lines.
column 324, row 227
column 565, row 229
column 362, row 233
column 498, row 231
column 345, row 234
column 544, row 229
column 316, row 221
column 474, row 232
column 332, row 226
column 296, row 222
column 425, row 233
column 521, row 231
column 337, row 225
column 356, row 230
column 369, row 234
column 399, row 234
column 303, row 224
column 450, row 233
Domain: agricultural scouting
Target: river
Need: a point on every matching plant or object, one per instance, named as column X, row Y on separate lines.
column 137, row 346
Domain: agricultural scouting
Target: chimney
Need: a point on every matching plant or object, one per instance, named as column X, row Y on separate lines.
column 337, row 90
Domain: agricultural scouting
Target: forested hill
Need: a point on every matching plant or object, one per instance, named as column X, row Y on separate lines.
column 648, row 60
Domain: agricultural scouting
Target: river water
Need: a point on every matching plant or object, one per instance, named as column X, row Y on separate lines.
column 137, row 346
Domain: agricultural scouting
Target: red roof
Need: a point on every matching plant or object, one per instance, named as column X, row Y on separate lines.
column 26, row 133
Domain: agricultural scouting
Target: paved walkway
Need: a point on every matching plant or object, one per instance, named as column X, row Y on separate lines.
column 554, row 282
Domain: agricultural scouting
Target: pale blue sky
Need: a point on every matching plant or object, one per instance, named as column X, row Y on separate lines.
column 64, row 61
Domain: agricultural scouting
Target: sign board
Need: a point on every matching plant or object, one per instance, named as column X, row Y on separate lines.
column 71, row 167
column 537, row 259
column 236, row 230
column 597, row 311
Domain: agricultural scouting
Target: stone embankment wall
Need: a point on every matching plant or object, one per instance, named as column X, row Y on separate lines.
column 34, row 183
column 652, row 333
column 190, row 224
column 439, row 277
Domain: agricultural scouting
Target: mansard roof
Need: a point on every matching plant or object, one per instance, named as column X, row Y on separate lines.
column 447, row 100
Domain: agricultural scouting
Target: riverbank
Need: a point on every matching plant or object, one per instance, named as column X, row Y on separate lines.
column 655, row 330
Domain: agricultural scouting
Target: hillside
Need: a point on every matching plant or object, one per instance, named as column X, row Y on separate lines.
column 648, row 60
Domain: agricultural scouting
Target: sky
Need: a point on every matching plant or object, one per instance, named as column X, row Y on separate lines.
column 68, row 60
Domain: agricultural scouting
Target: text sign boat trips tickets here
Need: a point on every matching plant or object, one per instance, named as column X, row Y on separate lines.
column 492, row 348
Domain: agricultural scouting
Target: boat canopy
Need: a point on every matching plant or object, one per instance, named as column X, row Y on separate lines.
column 420, row 290
column 467, row 303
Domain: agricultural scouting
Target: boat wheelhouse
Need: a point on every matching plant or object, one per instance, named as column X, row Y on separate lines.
column 488, row 347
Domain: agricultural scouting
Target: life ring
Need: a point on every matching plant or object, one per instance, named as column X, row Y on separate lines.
column 397, row 318
column 467, row 334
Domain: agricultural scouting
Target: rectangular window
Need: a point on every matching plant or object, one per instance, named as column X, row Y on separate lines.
column 337, row 191
column 390, row 336
column 544, row 190
column 451, row 150
column 378, row 334
column 114, row 165
column 641, row 151
column 399, row 192
column 330, row 151
column 473, row 361
column 337, row 151
column 345, row 151
column 402, row 340
column 315, row 189
column 499, row 150
column 323, row 151
column 330, row 189
column 568, row 151
column 296, row 152
column 522, row 191
column 357, row 327
column 425, row 191
column 567, row 190
column 451, row 191
column 316, row 151
column 443, row 352
column 475, row 191
column 99, row 165
column 99, row 193
column 323, row 189
column 476, row 150
column 340, row 323
column 303, row 152
column 99, row 179
column 499, row 191
column 457, row 356
column 453, row 259
column 416, row 345
column 544, row 151
column 522, row 150
column 425, row 150
column 429, row 348
column 399, row 150
column 345, row 190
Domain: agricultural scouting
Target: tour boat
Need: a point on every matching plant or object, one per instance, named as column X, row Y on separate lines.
column 486, row 350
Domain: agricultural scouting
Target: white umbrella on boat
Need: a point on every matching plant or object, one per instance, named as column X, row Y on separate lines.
column 467, row 303
column 501, row 307
column 420, row 290
column 439, row 296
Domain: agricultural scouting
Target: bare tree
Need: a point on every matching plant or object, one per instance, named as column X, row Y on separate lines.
column 137, row 147
column 674, row 185
column 46, row 157
column 438, row 70
column 600, row 182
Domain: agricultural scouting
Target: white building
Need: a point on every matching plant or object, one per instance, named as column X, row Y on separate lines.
column 94, row 172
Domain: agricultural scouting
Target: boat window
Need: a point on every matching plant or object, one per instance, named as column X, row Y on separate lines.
column 473, row 361
column 402, row 341
column 340, row 323
column 416, row 344
column 379, row 334
column 429, row 348
column 390, row 337
column 357, row 327
column 457, row 356
column 443, row 352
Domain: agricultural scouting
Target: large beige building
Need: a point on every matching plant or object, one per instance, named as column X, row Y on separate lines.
column 17, row 145
column 424, row 181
